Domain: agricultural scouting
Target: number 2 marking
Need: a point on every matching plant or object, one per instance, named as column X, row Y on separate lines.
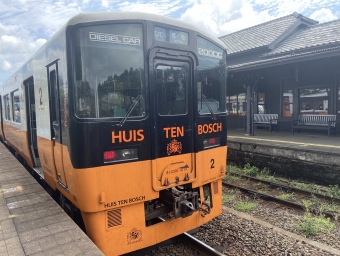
column 212, row 161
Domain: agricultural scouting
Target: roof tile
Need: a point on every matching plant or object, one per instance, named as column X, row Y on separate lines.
column 324, row 34
column 263, row 34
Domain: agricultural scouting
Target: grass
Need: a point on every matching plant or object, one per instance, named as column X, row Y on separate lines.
column 245, row 206
column 334, row 190
column 311, row 225
column 227, row 198
column 249, row 170
column 233, row 168
column 233, row 177
column 285, row 196
column 252, row 171
column 307, row 204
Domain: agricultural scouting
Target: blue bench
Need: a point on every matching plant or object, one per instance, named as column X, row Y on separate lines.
column 315, row 122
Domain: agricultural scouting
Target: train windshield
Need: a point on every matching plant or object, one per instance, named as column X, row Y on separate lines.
column 211, row 92
column 109, row 64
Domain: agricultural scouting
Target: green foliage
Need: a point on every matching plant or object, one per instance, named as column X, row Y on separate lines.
column 233, row 177
column 233, row 168
column 311, row 226
column 307, row 187
column 249, row 170
column 285, row 196
column 227, row 198
column 306, row 204
column 245, row 206
column 334, row 190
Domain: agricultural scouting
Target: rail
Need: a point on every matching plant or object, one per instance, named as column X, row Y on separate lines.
column 198, row 245
column 290, row 204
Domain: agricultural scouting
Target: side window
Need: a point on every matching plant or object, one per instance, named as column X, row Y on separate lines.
column 7, row 108
column 16, row 106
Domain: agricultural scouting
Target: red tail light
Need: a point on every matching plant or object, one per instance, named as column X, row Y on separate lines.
column 120, row 155
column 109, row 155
column 212, row 141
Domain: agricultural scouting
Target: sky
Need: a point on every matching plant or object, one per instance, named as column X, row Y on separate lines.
column 25, row 25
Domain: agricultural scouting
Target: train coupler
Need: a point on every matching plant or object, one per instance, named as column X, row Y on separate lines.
column 183, row 204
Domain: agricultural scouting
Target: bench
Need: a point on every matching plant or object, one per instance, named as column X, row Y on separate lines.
column 266, row 120
column 315, row 122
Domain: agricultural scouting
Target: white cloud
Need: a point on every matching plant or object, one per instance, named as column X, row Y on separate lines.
column 221, row 17
column 26, row 25
column 105, row 3
column 323, row 15
column 6, row 66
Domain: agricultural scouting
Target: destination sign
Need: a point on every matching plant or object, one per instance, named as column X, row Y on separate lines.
column 171, row 36
column 114, row 39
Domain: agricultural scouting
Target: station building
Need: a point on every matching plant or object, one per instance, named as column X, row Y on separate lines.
column 287, row 66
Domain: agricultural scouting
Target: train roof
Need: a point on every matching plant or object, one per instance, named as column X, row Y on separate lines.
column 107, row 16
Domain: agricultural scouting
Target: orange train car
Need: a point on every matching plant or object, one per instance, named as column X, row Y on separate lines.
column 123, row 116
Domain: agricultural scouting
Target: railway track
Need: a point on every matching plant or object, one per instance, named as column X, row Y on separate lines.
column 255, row 187
column 198, row 245
column 184, row 238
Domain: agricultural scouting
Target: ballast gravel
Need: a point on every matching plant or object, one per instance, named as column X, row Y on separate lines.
column 239, row 236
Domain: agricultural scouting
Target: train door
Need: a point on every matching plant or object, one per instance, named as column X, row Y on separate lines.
column 1, row 123
column 31, row 122
column 53, row 83
column 171, row 86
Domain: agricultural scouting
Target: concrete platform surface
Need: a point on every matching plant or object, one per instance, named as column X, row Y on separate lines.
column 309, row 141
column 31, row 222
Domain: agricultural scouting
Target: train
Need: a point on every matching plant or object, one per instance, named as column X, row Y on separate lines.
column 123, row 116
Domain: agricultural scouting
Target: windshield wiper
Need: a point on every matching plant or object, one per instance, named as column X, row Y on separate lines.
column 211, row 112
column 128, row 113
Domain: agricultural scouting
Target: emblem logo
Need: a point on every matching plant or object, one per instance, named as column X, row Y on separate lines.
column 134, row 236
column 174, row 147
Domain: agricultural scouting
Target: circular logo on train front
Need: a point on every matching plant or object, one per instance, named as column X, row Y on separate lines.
column 174, row 147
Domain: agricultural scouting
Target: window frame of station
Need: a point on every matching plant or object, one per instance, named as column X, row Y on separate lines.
column 71, row 67
column 316, row 86
column 290, row 86
column 239, row 92
column 337, row 93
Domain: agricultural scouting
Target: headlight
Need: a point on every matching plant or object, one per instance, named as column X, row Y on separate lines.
column 120, row 155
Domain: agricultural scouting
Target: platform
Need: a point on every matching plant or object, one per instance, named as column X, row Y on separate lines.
column 310, row 140
column 309, row 156
column 31, row 222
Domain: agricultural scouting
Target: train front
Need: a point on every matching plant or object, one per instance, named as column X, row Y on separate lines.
column 148, row 135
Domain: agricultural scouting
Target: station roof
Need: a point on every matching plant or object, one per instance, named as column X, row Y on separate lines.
column 299, row 42
column 267, row 34
column 322, row 35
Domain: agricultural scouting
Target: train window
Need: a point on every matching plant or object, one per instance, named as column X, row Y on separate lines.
column 211, row 86
column 172, row 90
column 7, row 107
column 109, row 64
column 16, row 106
